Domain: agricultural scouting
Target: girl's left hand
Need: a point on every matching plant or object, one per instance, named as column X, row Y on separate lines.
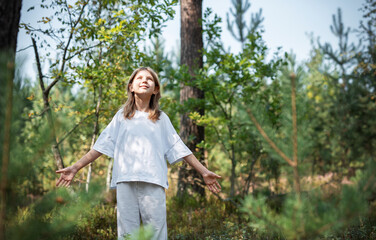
column 210, row 179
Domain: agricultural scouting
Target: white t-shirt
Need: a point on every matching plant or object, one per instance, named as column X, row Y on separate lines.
column 140, row 148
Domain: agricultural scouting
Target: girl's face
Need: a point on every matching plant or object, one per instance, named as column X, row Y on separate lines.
column 143, row 84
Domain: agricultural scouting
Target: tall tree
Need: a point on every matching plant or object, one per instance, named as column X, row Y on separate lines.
column 191, row 56
column 353, row 81
column 368, row 31
column 238, row 11
column 9, row 20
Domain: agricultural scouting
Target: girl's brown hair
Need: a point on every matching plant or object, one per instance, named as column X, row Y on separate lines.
column 130, row 104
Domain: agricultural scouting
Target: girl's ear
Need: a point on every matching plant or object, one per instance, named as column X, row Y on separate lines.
column 130, row 87
column 156, row 90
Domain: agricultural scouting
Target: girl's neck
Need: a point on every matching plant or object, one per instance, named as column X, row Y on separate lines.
column 142, row 104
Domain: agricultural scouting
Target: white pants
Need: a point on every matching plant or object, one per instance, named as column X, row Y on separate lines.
column 138, row 201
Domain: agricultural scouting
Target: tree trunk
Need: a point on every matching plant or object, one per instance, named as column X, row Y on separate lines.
column 295, row 136
column 191, row 56
column 7, row 133
column 233, row 159
column 46, row 93
column 95, row 133
column 9, row 20
column 108, row 178
column 55, row 147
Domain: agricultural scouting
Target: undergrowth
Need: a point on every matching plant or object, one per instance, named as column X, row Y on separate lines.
column 189, row 219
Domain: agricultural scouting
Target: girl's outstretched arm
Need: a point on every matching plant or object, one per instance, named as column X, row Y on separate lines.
column 68, row 173
column 210, row 178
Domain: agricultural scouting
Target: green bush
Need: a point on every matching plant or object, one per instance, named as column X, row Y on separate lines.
column 100, row 223
column 210, row 219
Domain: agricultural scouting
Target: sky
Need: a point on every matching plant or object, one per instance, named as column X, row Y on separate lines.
column 287, row 24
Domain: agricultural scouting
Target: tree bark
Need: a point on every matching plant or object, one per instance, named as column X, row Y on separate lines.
column 191, row 56
column 9, row 20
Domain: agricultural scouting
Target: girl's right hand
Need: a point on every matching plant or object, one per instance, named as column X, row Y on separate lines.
column 66, row 177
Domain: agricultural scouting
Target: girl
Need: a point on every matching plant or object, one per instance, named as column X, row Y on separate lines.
column 139, row 138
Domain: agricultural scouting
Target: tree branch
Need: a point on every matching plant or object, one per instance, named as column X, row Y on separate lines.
column 69, row 13
column 270, row 142
column 66, row 49
column 41, row 83
column 250, row 175
column 220, row 105
column 72, row 130
column 23, row 49
column 81, row 51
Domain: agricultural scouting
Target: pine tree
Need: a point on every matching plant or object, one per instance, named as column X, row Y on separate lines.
column 9, row 20
column 191, row 57
column 331, row 105
column 353, row 89
column 243, row 30
column 306, row 211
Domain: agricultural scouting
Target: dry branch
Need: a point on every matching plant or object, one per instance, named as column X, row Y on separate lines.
column 266, row 137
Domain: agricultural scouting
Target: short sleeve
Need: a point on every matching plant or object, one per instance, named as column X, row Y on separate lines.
column 106, row 141
column 175, row 149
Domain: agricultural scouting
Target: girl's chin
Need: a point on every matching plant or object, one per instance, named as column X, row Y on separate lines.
column 143, row 93
column 142, row 90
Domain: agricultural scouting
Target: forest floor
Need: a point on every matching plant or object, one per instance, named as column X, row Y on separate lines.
column 210, row 220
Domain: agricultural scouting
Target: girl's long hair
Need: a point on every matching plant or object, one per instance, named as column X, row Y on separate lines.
column 130, row 104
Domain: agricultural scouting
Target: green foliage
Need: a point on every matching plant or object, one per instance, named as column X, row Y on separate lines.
column 115, row 39
column 228, row 81
column 349, row 109
column 276, row 116
column 325, row 102
column 208, row 220
column 55, row 214
column 98, row 223
column 316, row 213
column 143, row 233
